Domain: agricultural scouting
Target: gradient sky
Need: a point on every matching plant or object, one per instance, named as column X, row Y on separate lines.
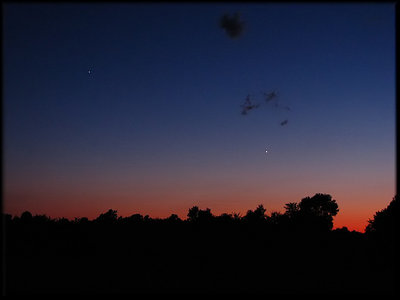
column 155, row 127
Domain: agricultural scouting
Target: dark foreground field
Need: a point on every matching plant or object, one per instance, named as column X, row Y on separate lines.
column 203, row 254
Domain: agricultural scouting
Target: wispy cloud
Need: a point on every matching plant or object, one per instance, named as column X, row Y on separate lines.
column 248, row 105
column 271, row 100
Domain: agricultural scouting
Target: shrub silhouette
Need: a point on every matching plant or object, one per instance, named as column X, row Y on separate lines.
column 82, row 220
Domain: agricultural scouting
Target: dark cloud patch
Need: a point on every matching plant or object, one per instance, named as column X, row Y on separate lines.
column 248, row 105
column 270, row 96
column 232, row 25
column 271, row 100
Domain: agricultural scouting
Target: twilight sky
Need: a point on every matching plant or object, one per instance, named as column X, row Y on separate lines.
column 136, row 107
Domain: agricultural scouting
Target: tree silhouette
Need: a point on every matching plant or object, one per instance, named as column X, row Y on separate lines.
column 202, row 253
column 257, row 215
column 292, row 209
column 193, row 213
column 26, row 217
column 199, row 215
column 383, row 223
column 41, row 219
column 321, row 205
column 173, row 218
column 225, row 218
column 315, row 213
column 7, row 218
column 135, row 218
column 108, row 217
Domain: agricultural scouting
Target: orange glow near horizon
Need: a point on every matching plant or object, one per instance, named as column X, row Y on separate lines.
column 74, row 205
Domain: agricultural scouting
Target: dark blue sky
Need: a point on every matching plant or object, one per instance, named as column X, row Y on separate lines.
column 156, row 125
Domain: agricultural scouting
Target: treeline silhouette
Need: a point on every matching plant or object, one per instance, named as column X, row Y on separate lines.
column 296, row 251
